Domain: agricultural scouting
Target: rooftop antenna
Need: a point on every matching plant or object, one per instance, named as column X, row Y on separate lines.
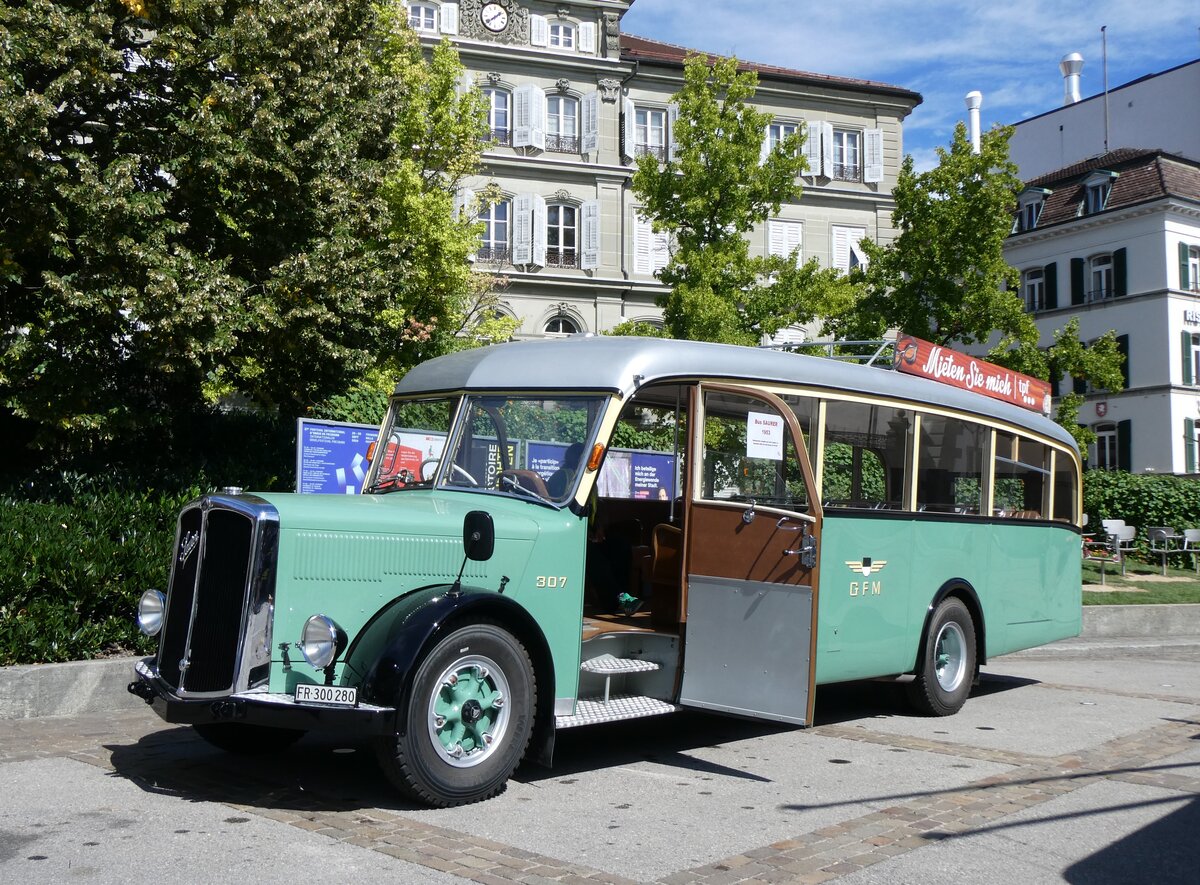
column 1104, row 50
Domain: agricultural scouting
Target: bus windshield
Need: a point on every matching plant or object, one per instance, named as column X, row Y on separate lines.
column 526, row 445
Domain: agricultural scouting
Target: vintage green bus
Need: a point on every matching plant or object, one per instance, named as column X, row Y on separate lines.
column 564, row 532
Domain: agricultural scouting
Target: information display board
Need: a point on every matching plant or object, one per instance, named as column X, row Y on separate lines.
column 331, row 456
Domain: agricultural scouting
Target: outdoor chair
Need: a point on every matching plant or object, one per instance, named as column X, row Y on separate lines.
column 1191, row 544
column 1102, row 552
column 1162, row 540
column 1110, row 526
column 1124, row 542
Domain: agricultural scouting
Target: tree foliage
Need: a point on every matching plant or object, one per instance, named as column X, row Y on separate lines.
column 214, row 200
column 708, row 195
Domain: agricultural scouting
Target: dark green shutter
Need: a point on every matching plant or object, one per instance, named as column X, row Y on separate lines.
column 1184, row 282
column 1120, row 286
column 1051, row 272
column 1189, row 445
column 1124, row 431
column 1077, row 295
column 1186, row 346
column 1123, row 349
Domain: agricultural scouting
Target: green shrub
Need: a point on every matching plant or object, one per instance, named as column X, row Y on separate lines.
column 1141, row 499
column 71, row 572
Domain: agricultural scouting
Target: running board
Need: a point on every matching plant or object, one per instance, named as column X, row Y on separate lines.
column 593, row 711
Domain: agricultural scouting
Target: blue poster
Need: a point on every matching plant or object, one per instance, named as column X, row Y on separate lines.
column 331, row 456
column 653, row 476
column 544, row 459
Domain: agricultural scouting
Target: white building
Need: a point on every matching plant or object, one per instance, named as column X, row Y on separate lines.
column 1156, row 111
column 573, row 101
column 1115, row 241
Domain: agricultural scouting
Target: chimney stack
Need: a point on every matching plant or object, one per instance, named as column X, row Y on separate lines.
column 974, row 102
column 1071, row 65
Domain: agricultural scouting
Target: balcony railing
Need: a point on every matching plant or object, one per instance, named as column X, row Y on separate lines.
column 657, row 151
column 498, row 254
column 562, row 144
column 502, row 137
column 1099, row 294
column 562, row 258
column 847, row 172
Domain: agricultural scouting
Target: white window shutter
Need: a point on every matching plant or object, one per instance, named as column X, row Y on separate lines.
column 522, row 115
column 537, row 118
column 464, row 202
column 776, row 238
column 812, row 148
column 827, row 149
column 539, row 230
column 449, row 18
column 840, row 250
column 522, row 252
column 764, row 150
column 642, row 244
column 589, row 256
column 794, row 239
column 587, row 37
column 589, row 107
column 661, row 250
column 466, row 83
column 873, row 155
column 629, row 129
column 539, row 30
column 672, row 120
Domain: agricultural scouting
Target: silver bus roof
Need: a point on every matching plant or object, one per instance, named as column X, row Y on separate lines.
column 622, row 365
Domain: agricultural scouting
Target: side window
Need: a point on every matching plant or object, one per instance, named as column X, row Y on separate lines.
column 1066, row 487
column 864, row 455
column 642, row 461
column 950, row 465
column 1022, row 474
column 749, row 453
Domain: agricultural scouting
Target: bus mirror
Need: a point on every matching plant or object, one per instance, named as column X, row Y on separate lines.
column 479, row 535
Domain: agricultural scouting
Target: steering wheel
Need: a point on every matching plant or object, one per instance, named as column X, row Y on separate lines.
column 454, row 468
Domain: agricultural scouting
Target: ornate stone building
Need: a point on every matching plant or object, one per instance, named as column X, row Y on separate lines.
column 573, row 101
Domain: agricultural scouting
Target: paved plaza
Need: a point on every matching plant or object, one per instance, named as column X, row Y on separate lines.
column 1077, row 767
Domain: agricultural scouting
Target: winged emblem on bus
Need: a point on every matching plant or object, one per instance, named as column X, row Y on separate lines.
column 866, row 566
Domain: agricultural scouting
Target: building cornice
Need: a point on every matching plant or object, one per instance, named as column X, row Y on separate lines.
column 1103, row 219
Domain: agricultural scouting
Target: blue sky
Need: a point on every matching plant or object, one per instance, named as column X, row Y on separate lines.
column 1009, row 51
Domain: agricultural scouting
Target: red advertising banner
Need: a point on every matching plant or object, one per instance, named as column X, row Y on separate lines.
column 917, row 357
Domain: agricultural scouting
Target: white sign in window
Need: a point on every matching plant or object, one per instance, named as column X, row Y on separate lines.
column 764, row 435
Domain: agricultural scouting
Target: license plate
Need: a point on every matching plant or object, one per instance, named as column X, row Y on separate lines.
column 332, row 695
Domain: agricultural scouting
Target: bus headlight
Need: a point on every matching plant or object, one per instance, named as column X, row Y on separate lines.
column 321, row 640
column 150, row 612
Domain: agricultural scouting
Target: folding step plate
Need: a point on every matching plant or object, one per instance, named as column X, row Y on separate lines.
column 592, row 711
column 610, row 665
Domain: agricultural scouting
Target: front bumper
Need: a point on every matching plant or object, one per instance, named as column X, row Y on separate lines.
column 257, row 707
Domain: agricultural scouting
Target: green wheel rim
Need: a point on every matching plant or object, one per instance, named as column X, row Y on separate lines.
column 950, row 656
column 468, row 711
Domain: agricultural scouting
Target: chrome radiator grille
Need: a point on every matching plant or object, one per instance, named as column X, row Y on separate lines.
column 218, row 571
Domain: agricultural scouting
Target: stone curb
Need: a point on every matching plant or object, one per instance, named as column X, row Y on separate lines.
column 99, row 686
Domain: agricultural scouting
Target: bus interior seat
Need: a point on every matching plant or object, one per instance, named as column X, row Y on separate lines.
column 527, row 479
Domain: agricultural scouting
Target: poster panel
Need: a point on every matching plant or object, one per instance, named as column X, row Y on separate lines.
column 331, row 456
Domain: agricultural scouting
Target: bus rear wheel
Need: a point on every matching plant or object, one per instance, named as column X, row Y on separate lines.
column 946, row 668
column 468, row 722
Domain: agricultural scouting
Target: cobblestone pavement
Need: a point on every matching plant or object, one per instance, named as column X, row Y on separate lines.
column 323, row 787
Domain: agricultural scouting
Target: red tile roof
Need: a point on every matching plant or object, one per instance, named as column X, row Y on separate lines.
column 643, row 49
column 1143, row 175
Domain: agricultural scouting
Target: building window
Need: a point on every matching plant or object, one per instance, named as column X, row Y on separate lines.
column 777, row 132
column 1192, row 278
column 561, row 236
column 1097, row 197
column 499, row 103
column 422, row 17
column 1101, row 277
column 1034, row 286
column 846, row 155
column 847, row 248
column 1106, row 447
column 562, row 124
column 561, row 325
column 562, row 35
column 650, row 133
column 496, row 226
column 1030, row 213
column 1191, row 358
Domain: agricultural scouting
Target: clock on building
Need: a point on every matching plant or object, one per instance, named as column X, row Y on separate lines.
column 494, row 17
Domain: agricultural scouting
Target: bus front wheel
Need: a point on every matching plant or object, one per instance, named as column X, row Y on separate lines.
column 947, row 665
column 469, row 719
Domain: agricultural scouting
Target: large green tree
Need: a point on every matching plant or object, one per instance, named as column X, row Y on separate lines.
column 944, row 277
column 712, row 190
column 211, row 199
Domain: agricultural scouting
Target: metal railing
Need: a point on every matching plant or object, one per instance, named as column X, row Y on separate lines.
column 562, row 258
column 847, row 172
column 562, row 144
column 493, row 253
column 502, row 137
column 651, row 150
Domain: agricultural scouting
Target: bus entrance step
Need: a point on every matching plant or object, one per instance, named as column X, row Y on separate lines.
column 610, row 665
column 591, row 711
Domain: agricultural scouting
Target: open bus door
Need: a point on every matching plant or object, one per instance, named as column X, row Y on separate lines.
column 753, row 532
